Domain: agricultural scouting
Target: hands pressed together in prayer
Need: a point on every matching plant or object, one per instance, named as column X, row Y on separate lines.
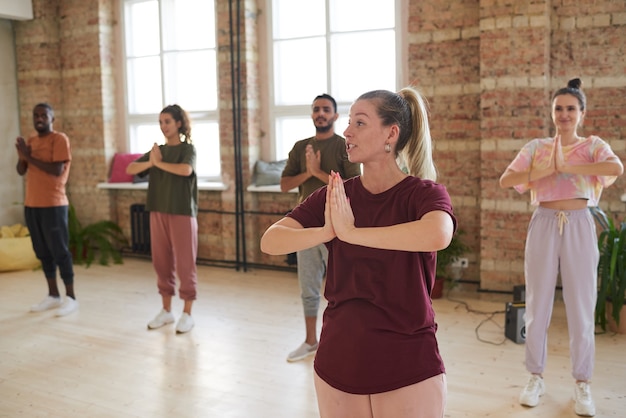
column 23, row 150
column 155, row 155
column 313, row 161
column 557, row 159
column 338, row 212
column 556, row 164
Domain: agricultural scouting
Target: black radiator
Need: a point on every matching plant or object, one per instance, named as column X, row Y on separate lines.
column 140, row 228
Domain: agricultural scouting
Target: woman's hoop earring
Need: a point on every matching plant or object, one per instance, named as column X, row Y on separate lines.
column 387, row 147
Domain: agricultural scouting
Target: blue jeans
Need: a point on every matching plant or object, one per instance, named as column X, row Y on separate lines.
column 312, row 264
column 50, row 238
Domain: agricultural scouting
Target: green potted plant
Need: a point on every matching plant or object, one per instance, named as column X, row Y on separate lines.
column 445, row 272
column 611, row 271
column 103, row 238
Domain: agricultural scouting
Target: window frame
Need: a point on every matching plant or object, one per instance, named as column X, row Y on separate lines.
column 129, row 120
column 270, row 149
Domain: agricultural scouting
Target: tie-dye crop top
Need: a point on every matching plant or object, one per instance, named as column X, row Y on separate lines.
column 561, row 186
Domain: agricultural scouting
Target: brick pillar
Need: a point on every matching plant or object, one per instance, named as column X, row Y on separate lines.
column 515, row 107
column 249, row 118
column 443, row 51
column 86, row 30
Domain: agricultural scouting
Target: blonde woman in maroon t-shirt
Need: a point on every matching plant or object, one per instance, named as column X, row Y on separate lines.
column 378, row 354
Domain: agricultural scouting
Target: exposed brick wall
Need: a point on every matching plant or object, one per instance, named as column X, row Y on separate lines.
column 64, row 57
column 514, row 56
column 38, row 63
column 444, row 62
column 487, row 67
column 524, row 59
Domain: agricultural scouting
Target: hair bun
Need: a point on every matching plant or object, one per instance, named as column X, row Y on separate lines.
column 574, row 83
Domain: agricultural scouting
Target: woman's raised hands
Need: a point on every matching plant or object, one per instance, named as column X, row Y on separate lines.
column 338, row 210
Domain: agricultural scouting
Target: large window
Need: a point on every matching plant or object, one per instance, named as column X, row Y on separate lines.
column 170, row 50
column 340, row 47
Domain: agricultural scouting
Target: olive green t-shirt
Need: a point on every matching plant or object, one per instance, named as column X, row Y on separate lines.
column 333, row 156
column 170, row 193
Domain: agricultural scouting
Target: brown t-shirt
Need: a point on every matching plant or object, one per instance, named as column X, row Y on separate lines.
column 171, row 193
column 333, row 156
column 44, row 189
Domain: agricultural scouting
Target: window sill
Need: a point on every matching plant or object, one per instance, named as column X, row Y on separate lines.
column 202, row 185
column 274, row 188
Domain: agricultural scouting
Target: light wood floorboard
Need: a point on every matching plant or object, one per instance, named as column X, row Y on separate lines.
column 103, row 362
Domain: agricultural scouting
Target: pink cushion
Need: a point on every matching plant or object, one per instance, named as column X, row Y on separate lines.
column 118, row 167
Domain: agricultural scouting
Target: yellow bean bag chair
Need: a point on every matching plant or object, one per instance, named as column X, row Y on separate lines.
column 16, row 250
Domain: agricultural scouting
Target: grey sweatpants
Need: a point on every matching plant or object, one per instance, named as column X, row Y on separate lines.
column 565, row 242
column 312, row 264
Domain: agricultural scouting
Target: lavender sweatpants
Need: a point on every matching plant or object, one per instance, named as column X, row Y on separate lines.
column 565, row 242
column 174, row 245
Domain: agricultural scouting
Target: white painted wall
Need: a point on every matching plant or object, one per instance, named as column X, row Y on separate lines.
column 16, row 9
column 12, row 185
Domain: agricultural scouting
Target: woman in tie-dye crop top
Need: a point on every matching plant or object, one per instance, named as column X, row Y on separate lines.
column 563, row 185
column 564, row 174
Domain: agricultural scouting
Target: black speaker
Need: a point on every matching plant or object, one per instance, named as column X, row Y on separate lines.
column 514, row 327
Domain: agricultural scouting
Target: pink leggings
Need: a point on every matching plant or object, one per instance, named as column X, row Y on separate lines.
column 565, row 242
column 174, row 245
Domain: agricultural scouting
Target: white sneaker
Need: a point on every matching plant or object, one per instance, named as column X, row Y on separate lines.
column 185, row 323
column 532, row 391
column 584, row 403
column 69, row 306
column 302, row 352
column 163, row 318
column 50, row 302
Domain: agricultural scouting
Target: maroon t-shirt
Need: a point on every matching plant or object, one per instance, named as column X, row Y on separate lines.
column 379, row 327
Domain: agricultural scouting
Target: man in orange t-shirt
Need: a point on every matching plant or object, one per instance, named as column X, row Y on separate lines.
column 45, row 160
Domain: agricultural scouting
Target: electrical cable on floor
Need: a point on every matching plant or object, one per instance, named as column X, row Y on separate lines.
column 489, row 318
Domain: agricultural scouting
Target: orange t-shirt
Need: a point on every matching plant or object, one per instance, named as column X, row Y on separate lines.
column 43, row 189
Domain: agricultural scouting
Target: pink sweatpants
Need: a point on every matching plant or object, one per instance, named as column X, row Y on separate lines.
column 565, row 242
column 174, row 244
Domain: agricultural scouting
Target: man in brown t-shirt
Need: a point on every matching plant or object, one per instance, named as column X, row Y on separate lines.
column 310, row 162
column 45, row 161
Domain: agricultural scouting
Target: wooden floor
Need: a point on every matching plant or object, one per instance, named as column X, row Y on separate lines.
column 103, row 362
